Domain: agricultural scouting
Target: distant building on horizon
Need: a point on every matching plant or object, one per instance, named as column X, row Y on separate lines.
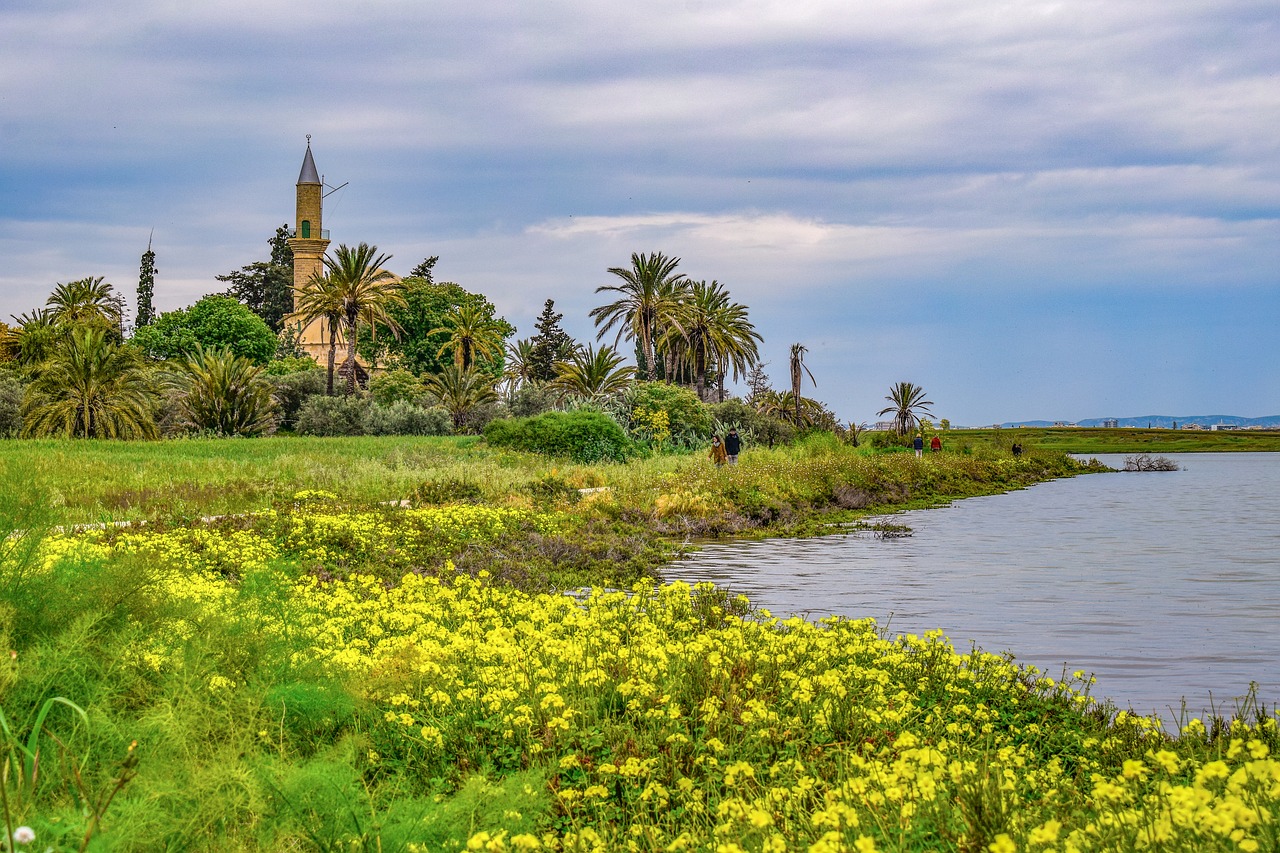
column 1110, row 423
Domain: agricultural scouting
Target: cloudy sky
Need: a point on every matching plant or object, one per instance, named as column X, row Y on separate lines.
column 1054, row 210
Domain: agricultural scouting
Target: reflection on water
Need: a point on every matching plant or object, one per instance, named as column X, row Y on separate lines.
column 1164, row 585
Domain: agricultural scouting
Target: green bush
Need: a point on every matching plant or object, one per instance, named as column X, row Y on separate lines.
column 395, row 386
column 332, row 416
column 688, row 418
column 404, row 418
column 530, row 400
column 294, row 389
column 581, row 436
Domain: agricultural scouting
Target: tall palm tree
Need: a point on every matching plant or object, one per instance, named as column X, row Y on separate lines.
column 86, row 299
column 473, row 334
column 368, row 293
column 588, row 373
column 225, row 393
column 908, row 404
column 321, row 299
column 90, row 388
column 460, row 391
column 798, row 369
column 648, row 298
column 714, row 331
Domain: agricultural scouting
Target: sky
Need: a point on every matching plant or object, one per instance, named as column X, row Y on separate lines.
column 1033, row 210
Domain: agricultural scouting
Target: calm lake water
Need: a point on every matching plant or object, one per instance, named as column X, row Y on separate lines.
column 1164, row 585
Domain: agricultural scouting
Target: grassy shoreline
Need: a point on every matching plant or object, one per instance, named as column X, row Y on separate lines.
column 329, row 672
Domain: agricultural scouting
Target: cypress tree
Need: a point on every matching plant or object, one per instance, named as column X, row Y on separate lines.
column 146, row 287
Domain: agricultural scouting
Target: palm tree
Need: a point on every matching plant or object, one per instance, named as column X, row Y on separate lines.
column 90, row 388
column 588, row 373
column 320, row 299
column 225, row 393
column 460, row 391
column 908, row 404
column 368, row 293
column 520, row 367
column 798, row 369
column 473, row 334
column 800, row 412
column 86, row 300
column 37, row 336
column 714, row 331
column 649, row 296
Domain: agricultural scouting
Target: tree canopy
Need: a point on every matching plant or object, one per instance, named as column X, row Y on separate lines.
column 266, row 287
column 423, row 329
column 213, row 322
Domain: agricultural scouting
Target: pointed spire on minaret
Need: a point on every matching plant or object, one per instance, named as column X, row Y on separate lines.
column 308, row 175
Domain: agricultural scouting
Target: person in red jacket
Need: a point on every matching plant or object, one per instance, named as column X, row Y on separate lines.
column 935, row 444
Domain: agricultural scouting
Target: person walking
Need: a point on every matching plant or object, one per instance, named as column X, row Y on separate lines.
column 732, row 445
column 717, row 453
column 918, row 444
column 935, row 444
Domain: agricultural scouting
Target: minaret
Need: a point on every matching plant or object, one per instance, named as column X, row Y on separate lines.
column 309, row 242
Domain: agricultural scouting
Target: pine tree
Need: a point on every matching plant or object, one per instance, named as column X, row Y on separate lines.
column 424, row 269
column 757, row 381
column 146, row 287
column 550, row 344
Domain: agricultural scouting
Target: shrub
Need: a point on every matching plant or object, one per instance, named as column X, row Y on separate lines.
column 332, row 416
column 397, row 385
column 404, row 418
column 581, row 436
column 688, row 418
column 294, row 389
column 290, row 365
column 530, row 400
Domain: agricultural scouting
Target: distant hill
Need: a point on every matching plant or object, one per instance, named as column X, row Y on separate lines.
column 1164, row 421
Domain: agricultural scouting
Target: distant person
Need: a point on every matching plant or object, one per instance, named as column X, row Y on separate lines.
column 935, row 444
column 1017, row 449
column 918, row 444
column 717, row 454
column 732, row 445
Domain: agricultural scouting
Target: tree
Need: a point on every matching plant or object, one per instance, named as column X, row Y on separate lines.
column 91, row 387
column 714, row 331
column 420, row 320
column 460, row 391
column 266, row 287
column 87, row 301
column 224, row 393
column 146, row 287
column 215, row 321
column 649, row 297
column 588, row 373
column 472, row 335
column 321, row 299
column 424, row 269
column 798, row 369
column 908, row 404
column 368, row 291
column 519, row 369
column 550, row 345
column 757, row 381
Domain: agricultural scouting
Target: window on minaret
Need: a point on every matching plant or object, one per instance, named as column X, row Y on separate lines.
column 306, row 229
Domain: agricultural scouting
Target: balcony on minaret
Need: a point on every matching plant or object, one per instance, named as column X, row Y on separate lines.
column 309, row 234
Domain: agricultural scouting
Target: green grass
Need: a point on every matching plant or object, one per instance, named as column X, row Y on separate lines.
column 1095, row 440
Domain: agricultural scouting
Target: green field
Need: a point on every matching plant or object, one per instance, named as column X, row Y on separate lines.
column 1095, row 440
column 324, row 669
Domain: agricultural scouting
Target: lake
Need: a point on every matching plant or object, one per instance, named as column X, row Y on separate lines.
column 1164, row 585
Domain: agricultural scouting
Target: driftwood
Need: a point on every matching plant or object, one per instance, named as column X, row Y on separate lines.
column 1145, row 462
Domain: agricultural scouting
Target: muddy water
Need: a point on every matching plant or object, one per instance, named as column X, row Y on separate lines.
column 1165, row 585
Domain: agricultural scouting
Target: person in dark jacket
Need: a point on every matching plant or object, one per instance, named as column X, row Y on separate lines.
column 732, row 446
column 918, row 444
